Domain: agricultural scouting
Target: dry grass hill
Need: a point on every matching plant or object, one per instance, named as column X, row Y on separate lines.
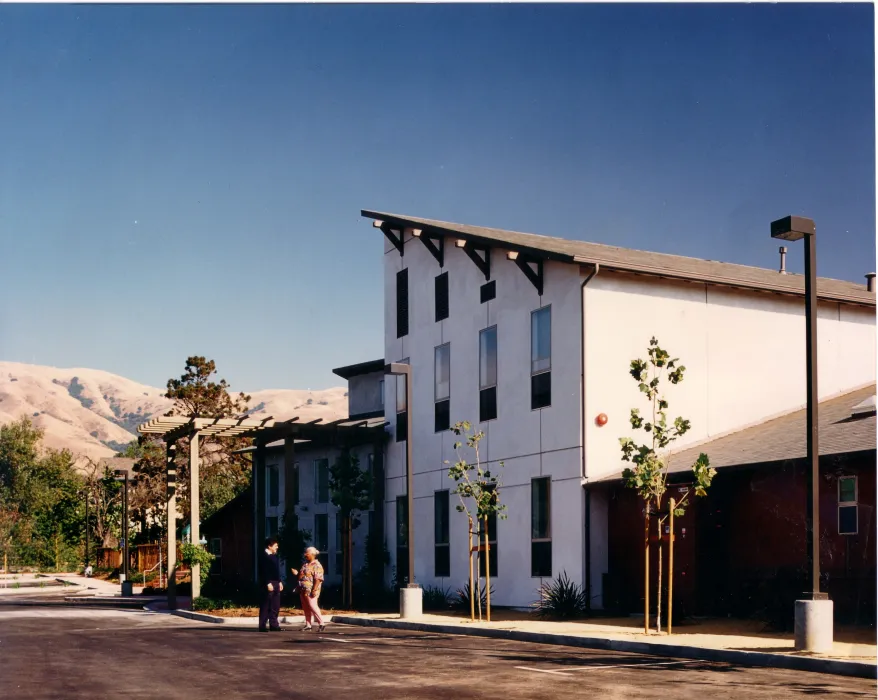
column 94, row 413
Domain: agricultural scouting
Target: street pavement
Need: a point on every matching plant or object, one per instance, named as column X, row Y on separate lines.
column 52, row 651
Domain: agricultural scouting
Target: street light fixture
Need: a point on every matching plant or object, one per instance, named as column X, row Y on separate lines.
column 410, row 597
column 127, row 586
column 813, row 620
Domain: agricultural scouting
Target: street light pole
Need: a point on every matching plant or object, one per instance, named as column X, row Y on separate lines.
column 87, row 494
column 411, row 603
column 814, row 621
column 126, row 584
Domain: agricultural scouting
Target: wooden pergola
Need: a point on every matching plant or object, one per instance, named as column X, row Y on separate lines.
column 172, row 429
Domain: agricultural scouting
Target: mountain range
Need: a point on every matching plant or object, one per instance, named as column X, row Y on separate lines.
column 95, row 414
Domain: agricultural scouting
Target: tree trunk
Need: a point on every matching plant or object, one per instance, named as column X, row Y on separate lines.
column 658, row 600
column 646, row 570
column 472, row 602
column 671, row 569
column 487, row 572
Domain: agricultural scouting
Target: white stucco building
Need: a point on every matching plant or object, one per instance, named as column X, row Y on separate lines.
column 530, row 338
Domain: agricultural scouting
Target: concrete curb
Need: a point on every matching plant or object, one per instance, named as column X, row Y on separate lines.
column 856, row 669
column 240, row 621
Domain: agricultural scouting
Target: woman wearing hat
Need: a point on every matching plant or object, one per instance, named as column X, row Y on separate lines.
column 310, row 578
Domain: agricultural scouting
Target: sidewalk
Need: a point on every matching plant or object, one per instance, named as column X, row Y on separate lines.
column 732, row 641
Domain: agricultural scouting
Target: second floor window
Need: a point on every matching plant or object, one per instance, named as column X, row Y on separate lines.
column 442, row 387
column 401, row 405
column 488, row 374
column 541, row 358
column 321, row 481
column 402, row 303
column 272, row 485
column 442, row 296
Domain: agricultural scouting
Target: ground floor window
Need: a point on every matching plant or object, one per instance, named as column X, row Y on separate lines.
column 540, row 528
column 402, row 540
column 847, row 506
column 441, row 530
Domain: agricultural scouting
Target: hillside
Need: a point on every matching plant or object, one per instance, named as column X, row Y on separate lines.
column 95, row 413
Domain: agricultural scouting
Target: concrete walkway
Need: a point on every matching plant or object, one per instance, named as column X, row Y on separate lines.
column 733, row 641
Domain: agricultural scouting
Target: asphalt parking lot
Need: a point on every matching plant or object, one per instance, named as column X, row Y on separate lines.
column 64, row 652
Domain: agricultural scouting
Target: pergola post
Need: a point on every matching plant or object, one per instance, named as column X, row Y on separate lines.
column 171, row 486
column 194, row 509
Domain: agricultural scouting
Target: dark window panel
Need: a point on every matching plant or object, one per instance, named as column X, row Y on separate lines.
column 442, row 296
column 488, row 404
column 541, row 390
column 401, row 426
column 541, row 559
column 489, row 291
column 402, row 303
column 442, row 561
column 442, row 415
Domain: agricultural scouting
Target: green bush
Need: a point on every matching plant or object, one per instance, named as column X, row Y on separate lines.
column 436, row 598
column 196, row 554
column 561, row 599
column 202, row 603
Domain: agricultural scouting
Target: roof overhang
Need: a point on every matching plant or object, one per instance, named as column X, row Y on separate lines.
column 361, row 368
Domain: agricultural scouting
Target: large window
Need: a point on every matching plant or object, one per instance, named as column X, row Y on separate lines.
column 271, row 526
column 541, row 358
column 442, row 387
column 488, row 374
column 441, row 534
column 402, row 540
column 272, row 481
column 492, row 542
column 402, row 303
column 401, row 406
column 321, row 539
column 847, row 506
column 442, row 296
column 540, row 527
column 321, row 481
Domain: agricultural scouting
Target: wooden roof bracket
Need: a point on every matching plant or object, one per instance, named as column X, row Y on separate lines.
column 483, row 262
column 435, row 244
column 534, row 274
column 392, row 236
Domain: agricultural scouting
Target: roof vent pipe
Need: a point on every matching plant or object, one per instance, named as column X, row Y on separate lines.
column 783, row 260
column 870, row 281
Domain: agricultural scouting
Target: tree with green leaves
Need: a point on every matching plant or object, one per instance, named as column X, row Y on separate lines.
column 479, row 493
column 350, row 491
column 224, row 474
column 652, row 460
column 147, row 501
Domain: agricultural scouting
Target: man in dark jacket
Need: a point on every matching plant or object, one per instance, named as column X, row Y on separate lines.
column 270, row 587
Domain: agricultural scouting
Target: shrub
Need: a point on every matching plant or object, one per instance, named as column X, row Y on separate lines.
column 196, row 554
column 561, row 599
column 461, row 602
column 436, row 598
column 202, row 603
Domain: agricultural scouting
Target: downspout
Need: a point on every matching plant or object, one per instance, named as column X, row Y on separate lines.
column 587, row 533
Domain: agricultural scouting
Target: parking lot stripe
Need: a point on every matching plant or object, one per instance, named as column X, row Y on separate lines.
column 543, row 670
column 657, row 663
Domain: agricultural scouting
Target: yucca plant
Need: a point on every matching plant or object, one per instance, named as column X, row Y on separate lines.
column 436, row 598
column 561, row 599
column 463, row 597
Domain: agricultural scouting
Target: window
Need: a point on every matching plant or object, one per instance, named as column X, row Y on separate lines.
column 442, row 387
column 540, row 527
column 402, row 303
column 442, row 296
column 488, row 374
column 381, row 391
column 271, row 526
column 441, row 529
column 489, row 291
column 541, row 358
column 402, row 540
column 847, row 506
column 321, row 538
column 492, row 541
column 272, row 485
column 321, row 481
column 401, row 406
column 216, row 546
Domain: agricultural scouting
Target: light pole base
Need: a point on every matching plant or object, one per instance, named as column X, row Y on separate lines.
column 813, row 626
column 411, row 602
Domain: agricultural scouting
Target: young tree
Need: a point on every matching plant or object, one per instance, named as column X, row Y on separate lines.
column 652, row 460
column 224, row 474
column 351, row 492
column 476, row 483
column 105, row 494
column 148, row 490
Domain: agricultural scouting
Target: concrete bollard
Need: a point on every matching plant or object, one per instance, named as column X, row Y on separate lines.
column 411, row 602
column 813, row 626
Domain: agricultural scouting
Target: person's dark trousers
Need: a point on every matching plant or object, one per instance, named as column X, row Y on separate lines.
column 269, row 607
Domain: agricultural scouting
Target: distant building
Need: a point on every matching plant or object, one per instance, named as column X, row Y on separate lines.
column 530, row 338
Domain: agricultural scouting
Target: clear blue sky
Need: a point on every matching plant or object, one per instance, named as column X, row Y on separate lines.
column 181, row 180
